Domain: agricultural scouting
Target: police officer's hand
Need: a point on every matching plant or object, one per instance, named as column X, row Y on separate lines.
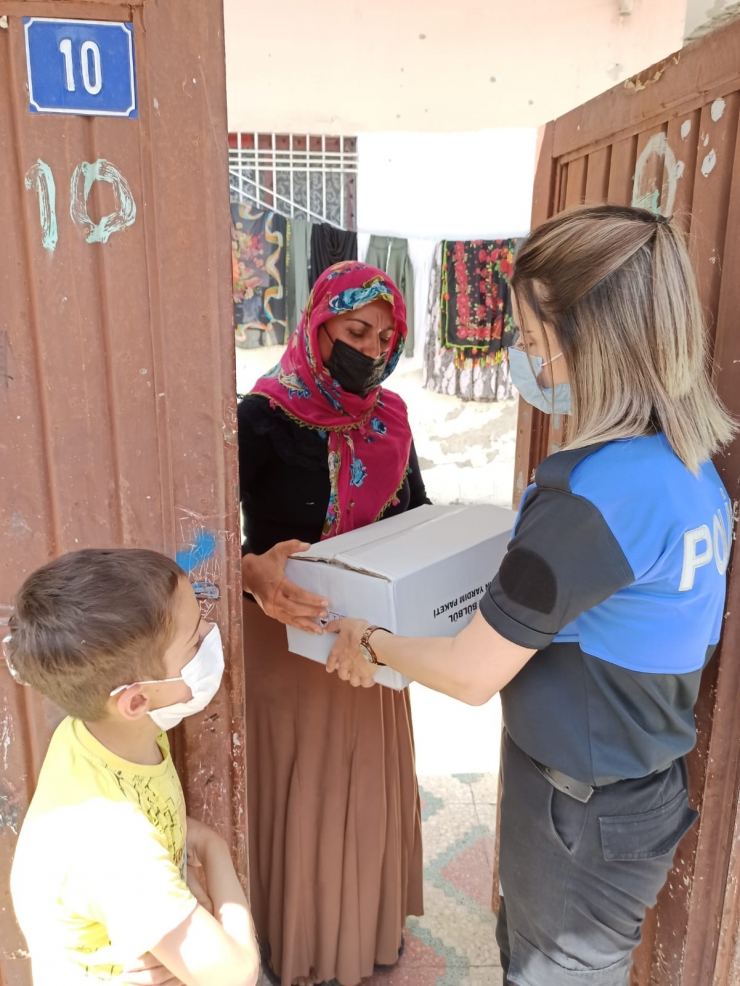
column 264, row 577
column 346, row 657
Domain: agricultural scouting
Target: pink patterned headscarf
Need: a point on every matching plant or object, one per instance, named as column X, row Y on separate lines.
column 369, row 438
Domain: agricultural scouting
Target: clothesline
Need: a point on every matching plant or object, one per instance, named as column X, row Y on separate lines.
column 456, row 292
column 437, row 238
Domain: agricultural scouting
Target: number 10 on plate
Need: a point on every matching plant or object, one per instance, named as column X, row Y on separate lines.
column 85, row 68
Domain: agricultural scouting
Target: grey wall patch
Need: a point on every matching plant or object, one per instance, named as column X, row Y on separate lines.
column 10, row 811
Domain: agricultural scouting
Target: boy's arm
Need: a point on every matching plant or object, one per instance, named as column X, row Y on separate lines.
column 148, row 971
column 200, row 952
column 136, row 892
column 196, row 888
column 222, row 882
column 204, row 949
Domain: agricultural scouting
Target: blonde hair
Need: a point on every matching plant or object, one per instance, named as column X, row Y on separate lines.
column 617, row 288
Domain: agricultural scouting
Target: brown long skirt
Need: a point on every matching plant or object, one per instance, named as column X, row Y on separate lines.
column 334, row 821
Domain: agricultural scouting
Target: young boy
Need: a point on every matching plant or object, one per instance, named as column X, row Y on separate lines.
column 100, row 882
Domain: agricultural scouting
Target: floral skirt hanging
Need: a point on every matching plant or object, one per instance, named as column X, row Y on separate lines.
column 470, row 325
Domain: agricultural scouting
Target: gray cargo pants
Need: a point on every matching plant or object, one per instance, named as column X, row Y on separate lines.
column 577, row 878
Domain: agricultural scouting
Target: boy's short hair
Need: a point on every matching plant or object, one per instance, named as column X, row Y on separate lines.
column 90, row 621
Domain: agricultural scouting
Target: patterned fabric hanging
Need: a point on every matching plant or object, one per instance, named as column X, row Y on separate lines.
column 469, row 321
column 475, row 310
column 258, row 241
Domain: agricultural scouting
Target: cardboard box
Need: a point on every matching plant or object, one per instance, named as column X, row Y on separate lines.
column 419, row 574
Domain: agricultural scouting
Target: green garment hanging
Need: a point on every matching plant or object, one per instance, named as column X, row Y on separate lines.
column 391, row 255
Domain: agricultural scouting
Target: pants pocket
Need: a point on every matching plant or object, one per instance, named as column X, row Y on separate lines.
column 531, row 967
column 567, row 819
column 649, row 834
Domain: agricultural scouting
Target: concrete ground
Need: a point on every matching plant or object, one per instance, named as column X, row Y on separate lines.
column 466, row 452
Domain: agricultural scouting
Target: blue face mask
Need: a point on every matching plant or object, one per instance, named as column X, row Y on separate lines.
column 525, row 371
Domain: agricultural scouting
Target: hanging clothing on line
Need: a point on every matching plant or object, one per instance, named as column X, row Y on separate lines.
column 299, row 256
column 363, row 242
column 330, row 246
column 476, row 298
column 432, row 372
column 471, row 325
column 258, row 241
column 421, row 254
column 391, row 254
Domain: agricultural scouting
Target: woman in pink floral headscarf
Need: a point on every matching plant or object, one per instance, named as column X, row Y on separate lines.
column 334, row 826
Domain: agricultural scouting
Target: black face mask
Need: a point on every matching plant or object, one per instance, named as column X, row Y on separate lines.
column 353, row 371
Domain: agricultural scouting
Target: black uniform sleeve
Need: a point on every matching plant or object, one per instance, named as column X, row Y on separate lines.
column 417, row 490
column 562, row 560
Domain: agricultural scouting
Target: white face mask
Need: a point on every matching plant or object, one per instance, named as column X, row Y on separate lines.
column 202, row 675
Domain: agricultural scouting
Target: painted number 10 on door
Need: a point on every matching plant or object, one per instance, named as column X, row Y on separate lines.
column 85, row 68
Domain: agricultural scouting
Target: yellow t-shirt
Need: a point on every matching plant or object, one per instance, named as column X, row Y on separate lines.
column 98, row 877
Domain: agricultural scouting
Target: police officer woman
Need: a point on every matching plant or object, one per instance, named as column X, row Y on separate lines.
column 608, row 603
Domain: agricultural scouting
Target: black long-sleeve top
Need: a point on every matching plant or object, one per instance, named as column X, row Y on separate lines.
column 284, row 478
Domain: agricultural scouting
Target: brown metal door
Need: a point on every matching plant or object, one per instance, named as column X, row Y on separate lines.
column 117, row 381
column 667, row 140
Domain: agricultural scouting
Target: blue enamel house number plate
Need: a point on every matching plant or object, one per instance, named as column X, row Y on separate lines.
column 85, row 68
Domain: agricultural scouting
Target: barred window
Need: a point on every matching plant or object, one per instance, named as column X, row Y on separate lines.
column 299, row 175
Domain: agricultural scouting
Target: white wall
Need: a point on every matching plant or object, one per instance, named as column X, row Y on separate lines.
column 428, row 187
column 698, row 12
column 339, row 66
column 446, row 185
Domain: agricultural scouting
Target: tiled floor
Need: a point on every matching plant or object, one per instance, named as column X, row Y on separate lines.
column 454, row 943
